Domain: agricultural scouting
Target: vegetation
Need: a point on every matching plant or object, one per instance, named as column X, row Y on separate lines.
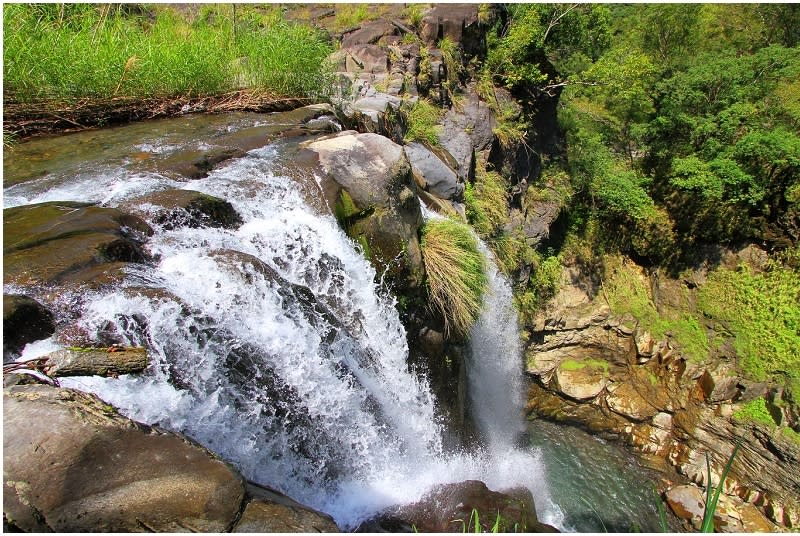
column 456, row 273
column 422, row 122
column 712, row 494
column 762, row 314
column 68, row 52
column 755, row 410
column 486, row 202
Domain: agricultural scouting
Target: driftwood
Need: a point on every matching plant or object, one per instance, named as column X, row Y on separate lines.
column 95, row 361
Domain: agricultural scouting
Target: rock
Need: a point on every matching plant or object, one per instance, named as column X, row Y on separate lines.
column 366, row 59
column 24, row 321
column 270, row 511
column 198, row 163
column 368, row 34
column 687, row 503
column 447, row 508
column 72, row 464
column 432, row 175
column 458, row 22
column 581, row 380
column 632, row 401
column 51, row 242
column 719, row 384
column 179, row 208
column 369, row 184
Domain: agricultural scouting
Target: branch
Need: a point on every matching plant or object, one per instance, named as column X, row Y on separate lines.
column 554, row 22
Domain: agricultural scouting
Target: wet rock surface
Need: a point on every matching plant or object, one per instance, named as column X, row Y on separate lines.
column 25, row 320
column 63, row 241
column 72, row 464
column 178, row 208
column 452, row 508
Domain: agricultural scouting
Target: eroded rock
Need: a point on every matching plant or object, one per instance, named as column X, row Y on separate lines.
column 178, row 208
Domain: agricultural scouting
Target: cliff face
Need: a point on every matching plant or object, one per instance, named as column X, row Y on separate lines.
column 606, row 373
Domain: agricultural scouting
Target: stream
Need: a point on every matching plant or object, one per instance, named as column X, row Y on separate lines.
column 272, row 345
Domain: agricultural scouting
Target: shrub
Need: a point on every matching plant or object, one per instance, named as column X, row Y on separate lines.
column 456, row 272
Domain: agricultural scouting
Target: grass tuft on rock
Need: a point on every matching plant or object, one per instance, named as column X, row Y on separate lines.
column 456, row 273
column 422, row 121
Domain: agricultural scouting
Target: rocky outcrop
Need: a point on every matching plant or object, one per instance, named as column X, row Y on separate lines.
column 71, row 463
column 24, row 321
column 370, row 188
column 68, row 242
column 605, row 373
column 452, row 508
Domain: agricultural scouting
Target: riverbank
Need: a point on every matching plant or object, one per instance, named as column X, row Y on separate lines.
column 70, row 67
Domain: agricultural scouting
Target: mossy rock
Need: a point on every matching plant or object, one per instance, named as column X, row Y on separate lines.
column 50, row 242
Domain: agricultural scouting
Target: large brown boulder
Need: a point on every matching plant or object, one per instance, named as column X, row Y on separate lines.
column 72, row 464
column 271, row 511
column 59, row 242
column 368, row 184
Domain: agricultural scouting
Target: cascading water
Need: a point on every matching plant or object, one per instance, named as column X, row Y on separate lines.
column 272, row 346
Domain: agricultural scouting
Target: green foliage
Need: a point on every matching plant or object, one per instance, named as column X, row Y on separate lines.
column 544, row 283
column 414, row 13
column 456, row 272
column 761, row 311
column 486, row 202
column 626, row 292
column 349, row 16
column 422, row 120
column 755, row 410
column 572, row 365
column 71, row 51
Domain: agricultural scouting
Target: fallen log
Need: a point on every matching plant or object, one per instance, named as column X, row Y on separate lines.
column 111, row 361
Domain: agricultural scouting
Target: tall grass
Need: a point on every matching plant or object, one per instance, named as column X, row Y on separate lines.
column 456, row 273
column 67, row 52
column 422, row 120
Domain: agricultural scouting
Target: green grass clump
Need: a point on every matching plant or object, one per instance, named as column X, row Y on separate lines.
column 762, row 313
column 351, row 15
column 456, row 273
column 422, row 120
column 599, row 364
column 68, row 52
column 486, row 202
column 755, row 410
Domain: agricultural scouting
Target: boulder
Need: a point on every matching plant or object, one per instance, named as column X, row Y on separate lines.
column 432, row 175
column 197, row 163
column 66, row 241
column 71, row 463
column 581, row 380
column 368, row 34
column 95, row 361
column 458, row 22
column 371, row 59
column 24, row 321
column 449, row 507
column 687, row 502
column 271, row 511
column 188, row 208
column 369, row 185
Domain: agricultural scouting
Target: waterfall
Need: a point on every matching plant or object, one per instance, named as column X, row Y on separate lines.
column 272, row 346
column 494, row 367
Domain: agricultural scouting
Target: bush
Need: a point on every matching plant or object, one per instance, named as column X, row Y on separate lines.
column 456, row 272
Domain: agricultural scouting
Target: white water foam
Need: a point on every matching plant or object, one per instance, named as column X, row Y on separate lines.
column 300, row 379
